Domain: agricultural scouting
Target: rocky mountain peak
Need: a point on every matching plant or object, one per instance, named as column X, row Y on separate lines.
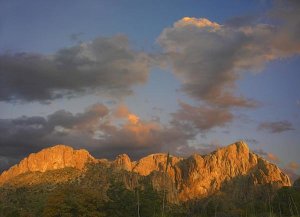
column 56, row 157
column 123, row 161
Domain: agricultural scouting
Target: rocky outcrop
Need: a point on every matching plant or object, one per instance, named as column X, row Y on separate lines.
column 155, row 162
column 186, row 178
column 123, row 161
column 199, row 176
column 56, row 157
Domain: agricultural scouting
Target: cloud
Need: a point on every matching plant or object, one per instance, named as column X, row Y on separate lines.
column 106, row 66
column 209, row 57
column 260, row 152
column 187, row 150
column 293, row 165
column 97, row 129
column 201, row 23
column 122, row 111
column 291, row 173
column 273, row 157
column 276, row 127
column 268, row 155
column 23, row 135
column 291, row 170
column 202, row 117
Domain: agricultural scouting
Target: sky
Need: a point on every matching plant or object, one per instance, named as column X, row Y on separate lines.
column 141, row 77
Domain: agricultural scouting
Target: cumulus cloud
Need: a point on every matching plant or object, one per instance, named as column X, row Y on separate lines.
column 209, row 57
column 276, row 126
column 106, row 66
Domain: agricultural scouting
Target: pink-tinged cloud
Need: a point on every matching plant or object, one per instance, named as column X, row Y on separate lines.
column 202, row 117
column 98, row 128
column 293, row 165
column 198, row 22
column 209, row 57
column 272, row 157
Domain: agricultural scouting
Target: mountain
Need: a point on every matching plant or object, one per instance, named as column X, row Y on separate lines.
column 231, row 181
column 53, row 158
column 187, row 178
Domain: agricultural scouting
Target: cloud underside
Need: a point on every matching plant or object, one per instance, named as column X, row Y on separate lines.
column 103, row 131
column 276, row 126
column 105, row 66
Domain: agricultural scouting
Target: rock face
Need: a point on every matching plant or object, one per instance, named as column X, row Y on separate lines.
column 199, row 176
column 56, row 157
column 123, row 161
column 194, row 177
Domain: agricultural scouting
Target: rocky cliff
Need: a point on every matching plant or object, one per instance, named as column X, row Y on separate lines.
column 53, row 158
column 187, row 178
column 199, row 176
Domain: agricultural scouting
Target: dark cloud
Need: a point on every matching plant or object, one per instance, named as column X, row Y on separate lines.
column 202, row 117
column 276, row 126
column 23, row 135
column 104, row 132
column 104, row 66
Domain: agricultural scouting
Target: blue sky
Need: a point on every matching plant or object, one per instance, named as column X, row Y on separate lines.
column 185, row 89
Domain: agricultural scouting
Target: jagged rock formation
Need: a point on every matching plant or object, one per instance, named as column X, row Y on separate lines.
column 56, row 157
column 123, row 161
column 187, row 178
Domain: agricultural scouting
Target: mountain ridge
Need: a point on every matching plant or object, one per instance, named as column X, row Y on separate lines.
column 193, row 177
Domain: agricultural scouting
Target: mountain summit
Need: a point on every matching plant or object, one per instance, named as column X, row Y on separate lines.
column 53, row 158
column 187, row 178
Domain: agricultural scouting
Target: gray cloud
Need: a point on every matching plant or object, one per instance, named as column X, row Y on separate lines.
column 276, row 126
column 209, row 58
column 261, row 152
column 203, row 117
column 23, row 135
column 291, row 173
column 104, row 66
column 268, row 155
column 97, row 129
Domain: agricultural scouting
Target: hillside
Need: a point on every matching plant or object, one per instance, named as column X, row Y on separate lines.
column 232, row 176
